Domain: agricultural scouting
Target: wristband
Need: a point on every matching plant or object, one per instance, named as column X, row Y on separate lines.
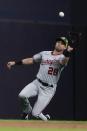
column 18, row 63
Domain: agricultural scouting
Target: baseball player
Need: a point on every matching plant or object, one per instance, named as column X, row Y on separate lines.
column 44, row 86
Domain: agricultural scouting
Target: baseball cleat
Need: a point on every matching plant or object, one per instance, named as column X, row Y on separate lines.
column 24, row 116
column 47, row 116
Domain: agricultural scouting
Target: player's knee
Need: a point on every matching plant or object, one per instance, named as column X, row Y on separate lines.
column 21, row 95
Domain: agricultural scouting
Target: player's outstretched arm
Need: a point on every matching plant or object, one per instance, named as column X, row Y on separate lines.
column 26, row 61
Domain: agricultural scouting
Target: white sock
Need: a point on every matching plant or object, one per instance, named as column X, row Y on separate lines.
column 43, row 117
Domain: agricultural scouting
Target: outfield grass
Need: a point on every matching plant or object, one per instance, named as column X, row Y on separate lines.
column 38, row 129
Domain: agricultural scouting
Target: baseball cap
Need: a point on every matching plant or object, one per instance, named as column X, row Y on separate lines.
column 63, row 39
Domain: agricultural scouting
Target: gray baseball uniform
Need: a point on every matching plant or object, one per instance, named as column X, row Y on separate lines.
column 50, row 68
column 45, row 84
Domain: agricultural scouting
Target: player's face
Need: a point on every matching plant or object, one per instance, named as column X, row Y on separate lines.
column 60, row 46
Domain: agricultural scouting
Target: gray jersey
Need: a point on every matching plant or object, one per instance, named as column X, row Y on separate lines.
column 50, row 67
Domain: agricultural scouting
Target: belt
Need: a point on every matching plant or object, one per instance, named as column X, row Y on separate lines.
column 43, row 83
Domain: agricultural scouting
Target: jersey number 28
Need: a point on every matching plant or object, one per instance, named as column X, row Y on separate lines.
column 53, row 71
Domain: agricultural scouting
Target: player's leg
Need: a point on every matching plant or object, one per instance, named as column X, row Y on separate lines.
column 29, row 91
column 43, row 100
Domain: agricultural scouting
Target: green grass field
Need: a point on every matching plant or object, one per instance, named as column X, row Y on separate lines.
column 13, row 125
column 38, row 129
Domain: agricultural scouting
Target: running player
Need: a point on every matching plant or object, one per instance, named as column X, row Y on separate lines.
column 44, row 86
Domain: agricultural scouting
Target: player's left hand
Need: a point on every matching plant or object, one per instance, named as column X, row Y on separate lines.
column 10, row 64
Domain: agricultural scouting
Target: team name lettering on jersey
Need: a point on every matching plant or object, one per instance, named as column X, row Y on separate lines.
column 49, row 62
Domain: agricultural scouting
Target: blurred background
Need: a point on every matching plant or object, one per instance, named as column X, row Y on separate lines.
column 28, row 27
